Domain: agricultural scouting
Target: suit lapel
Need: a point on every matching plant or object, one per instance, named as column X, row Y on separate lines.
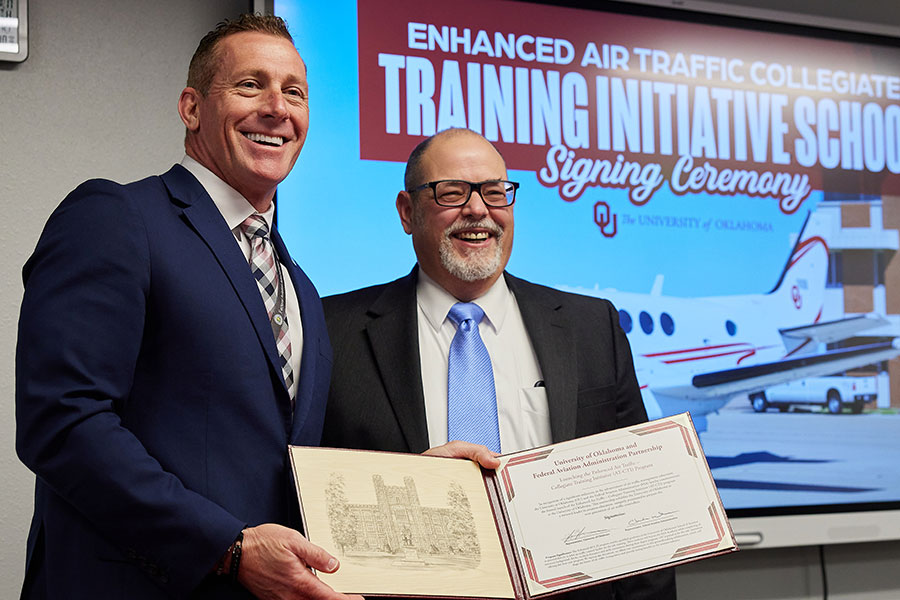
column 550, row 335
column 312, row 344
column 394, row 338
column 201, row 214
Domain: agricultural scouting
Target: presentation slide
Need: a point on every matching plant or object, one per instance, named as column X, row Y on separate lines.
column 734, row 192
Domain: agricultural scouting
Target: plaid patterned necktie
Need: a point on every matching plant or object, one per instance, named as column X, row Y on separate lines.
column 471, row 397
column 267, row 272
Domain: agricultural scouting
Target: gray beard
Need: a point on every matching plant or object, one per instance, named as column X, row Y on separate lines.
column 475, row 266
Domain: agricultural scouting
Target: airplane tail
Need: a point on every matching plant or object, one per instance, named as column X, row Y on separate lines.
column 799, row 294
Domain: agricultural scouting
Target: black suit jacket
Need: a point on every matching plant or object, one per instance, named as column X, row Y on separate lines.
column 376, row 400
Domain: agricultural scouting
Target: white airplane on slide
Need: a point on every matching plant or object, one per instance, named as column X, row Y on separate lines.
column 696, row 354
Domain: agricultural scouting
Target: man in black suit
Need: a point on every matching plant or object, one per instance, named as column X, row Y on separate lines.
column 561, row 364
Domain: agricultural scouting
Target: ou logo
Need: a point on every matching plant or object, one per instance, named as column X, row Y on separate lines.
column 796, row 297
column 604, row 217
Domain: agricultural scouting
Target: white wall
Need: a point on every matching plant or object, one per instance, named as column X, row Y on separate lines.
column 97, row 97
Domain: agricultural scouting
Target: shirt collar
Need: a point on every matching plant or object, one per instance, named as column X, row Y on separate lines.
column 436, row 302
column 233, row 206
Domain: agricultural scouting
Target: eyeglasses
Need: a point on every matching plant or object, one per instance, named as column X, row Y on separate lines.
column 456, row 192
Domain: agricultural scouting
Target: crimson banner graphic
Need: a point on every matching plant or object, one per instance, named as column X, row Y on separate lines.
column 586, row 98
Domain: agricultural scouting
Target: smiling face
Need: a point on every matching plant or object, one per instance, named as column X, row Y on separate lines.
column 249, row 127
column 464, row 249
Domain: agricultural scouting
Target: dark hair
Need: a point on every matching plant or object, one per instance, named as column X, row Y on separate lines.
column 203, row 63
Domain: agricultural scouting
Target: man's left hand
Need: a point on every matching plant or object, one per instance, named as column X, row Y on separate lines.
column 459, row 449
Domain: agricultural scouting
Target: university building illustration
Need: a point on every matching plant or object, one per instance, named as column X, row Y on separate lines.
column 399, row 524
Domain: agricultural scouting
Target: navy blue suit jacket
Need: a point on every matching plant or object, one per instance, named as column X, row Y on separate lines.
column 149, row 401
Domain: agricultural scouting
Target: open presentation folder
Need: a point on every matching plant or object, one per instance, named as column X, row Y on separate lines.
column 547, row 520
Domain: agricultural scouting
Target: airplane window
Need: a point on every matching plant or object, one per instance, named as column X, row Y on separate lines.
column 667, row 324
column 625, row 321
column 646, row 322
column 730, row 327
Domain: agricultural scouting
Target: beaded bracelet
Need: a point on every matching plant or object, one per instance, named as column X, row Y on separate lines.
column 236, row 549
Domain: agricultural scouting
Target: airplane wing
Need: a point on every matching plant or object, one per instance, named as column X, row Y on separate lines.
column 804, row 339
column 757, row 377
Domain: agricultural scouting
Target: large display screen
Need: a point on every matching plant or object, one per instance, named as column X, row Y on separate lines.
column 734, row 191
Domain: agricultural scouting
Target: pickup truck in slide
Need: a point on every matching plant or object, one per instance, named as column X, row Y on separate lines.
column 834, row 393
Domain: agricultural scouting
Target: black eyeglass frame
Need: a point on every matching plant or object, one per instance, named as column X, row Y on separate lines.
column 473, row 186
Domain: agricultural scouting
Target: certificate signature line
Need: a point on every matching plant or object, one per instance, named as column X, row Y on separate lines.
column 577, row 536
column 654, row 519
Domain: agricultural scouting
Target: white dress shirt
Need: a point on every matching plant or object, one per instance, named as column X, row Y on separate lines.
column 522, row 409
column 235, row 209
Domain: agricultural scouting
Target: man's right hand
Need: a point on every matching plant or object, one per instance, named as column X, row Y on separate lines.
column 275, row 563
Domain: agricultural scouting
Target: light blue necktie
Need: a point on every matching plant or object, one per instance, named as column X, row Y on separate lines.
column 471, row 399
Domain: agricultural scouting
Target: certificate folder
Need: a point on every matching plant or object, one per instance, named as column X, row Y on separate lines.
column 548, row 520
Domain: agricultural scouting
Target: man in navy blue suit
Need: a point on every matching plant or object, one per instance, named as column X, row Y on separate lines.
column 152, row 400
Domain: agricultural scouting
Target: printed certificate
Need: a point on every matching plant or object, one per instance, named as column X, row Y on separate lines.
column 547, row 520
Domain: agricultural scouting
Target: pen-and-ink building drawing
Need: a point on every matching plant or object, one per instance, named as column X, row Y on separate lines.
column 397, row 524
